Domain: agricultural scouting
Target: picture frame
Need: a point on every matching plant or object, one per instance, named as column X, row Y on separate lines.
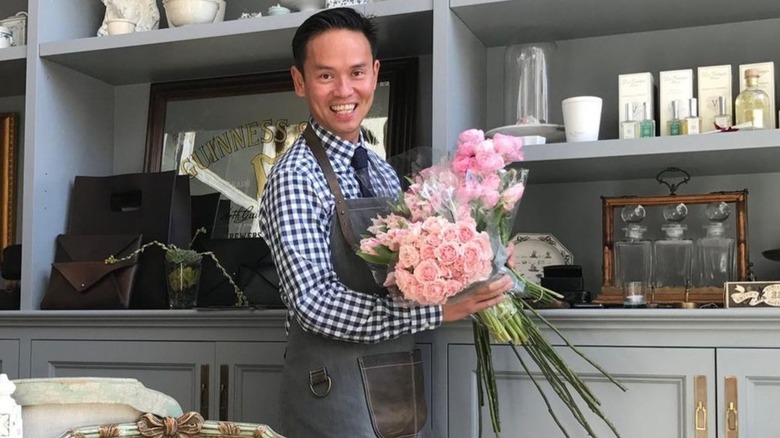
column 227, row 132
column 612, row 295
column 8, row 178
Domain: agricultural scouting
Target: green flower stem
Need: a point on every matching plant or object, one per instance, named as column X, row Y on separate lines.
column 541, row 392
column 573, row 348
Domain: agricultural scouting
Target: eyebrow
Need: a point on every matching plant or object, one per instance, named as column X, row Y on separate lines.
column 352, row 67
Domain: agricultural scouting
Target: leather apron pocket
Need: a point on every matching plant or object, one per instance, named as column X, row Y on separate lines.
column 393, row 384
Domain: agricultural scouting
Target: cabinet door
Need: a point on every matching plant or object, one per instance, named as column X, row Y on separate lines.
column 658, row 403
column 249, row 392
column 173, row 368
column 758, row 391
column 9, row 358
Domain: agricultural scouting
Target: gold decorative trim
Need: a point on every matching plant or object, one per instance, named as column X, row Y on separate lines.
column 186, row 426
column 108, row 431
column 8, row 171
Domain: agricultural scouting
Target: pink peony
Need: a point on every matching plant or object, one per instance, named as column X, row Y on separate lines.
column 485, row 146
column 490, row 198
column 485, row 162
column 471, row 136
column 511, row 195
column 462, row 163
column 491, row 181
column 509, row 147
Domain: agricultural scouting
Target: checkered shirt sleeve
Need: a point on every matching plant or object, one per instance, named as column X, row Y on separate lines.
column 295, row 218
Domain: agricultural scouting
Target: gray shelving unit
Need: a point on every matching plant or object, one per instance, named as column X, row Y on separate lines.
column 86, row 98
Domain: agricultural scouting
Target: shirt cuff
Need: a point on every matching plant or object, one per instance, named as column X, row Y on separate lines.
column 429, row 317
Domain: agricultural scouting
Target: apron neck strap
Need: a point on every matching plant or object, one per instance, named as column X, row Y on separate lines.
column 330, row 176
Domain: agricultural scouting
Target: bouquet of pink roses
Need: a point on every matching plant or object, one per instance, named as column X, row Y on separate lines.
column 447, row 234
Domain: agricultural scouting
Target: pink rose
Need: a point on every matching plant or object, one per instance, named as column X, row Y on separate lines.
column 426, row 271
column 449, row 233
column 472, row 255
column 408, row 256
column 466, row 232
column 426, row 251
column 447, row 253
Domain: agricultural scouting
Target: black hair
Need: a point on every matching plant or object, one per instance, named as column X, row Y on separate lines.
column 332, row 19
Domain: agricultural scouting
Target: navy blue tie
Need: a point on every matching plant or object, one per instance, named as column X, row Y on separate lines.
column 360, row 163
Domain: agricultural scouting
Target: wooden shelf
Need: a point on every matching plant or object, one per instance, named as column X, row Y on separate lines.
column 228, row 48
column 708, row 154
column 504, row 22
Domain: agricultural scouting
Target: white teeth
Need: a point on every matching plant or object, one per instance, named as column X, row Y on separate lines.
column 343, row 109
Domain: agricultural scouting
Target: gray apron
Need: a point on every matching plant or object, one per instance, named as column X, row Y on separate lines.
column 341, row 389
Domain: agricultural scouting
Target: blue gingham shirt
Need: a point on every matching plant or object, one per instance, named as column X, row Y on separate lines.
column 295, row 219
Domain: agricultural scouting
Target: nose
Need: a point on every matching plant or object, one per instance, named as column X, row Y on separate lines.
column 343, row 87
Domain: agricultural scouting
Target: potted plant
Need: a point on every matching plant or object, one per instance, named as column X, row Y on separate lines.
column 182, row 269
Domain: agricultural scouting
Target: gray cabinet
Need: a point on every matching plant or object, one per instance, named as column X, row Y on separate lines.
column 9, row 358
column 658, row 403
column 221, row 380
column 758, row 392
column 248, row 381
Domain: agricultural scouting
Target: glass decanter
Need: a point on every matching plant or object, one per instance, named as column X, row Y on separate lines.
column 633, row 258
column 674, row 253
column 715, row 252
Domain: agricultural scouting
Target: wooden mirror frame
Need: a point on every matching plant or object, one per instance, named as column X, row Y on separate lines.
column 612, row 295
column 8, row 175
column 400, row 73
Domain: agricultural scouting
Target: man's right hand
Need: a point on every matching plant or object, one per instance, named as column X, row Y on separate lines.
column 486, row 296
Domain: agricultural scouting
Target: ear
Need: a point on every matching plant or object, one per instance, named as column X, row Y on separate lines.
column 297, row 77
column 376, row 73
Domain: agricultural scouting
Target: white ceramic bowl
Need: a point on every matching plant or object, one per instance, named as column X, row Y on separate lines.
column 303, row 5
column 185, row 12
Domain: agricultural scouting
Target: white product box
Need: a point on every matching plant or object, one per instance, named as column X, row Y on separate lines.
column 636, row 89
column 714, row 82
column 766, row 82
column 675, row 85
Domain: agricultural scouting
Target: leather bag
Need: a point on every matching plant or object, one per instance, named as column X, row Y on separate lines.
column 154, row 205
column 248, row 261
column 80, row 278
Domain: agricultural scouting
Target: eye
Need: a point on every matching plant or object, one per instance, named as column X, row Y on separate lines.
column 326, row 76
column 358, row 73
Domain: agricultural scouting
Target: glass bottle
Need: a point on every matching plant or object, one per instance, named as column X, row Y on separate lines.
column 629, row 128
column 692, row 124
column 647, row 125
column 673, row 255
column 723, row 119
column 715, row 253
column 752, row 104
column 675, row 124
column 633, row 259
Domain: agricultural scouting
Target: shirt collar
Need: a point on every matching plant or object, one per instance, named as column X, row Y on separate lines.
column 339, row 151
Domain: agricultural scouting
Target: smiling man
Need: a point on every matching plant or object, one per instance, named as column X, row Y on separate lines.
column 350, row 365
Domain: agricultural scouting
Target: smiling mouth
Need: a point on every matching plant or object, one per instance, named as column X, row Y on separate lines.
column 343, row 109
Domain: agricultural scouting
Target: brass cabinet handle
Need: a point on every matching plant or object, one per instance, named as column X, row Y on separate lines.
column 224, row 380
column 700, row 401
column 732, row 410
column 732, row 418
column 701, row 418
column 204, row 391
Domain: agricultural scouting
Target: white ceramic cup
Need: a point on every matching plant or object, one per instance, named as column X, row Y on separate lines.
column 581, row 118
column 119, row 26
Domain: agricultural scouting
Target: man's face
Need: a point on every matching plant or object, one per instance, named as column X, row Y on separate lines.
column 338, row 81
